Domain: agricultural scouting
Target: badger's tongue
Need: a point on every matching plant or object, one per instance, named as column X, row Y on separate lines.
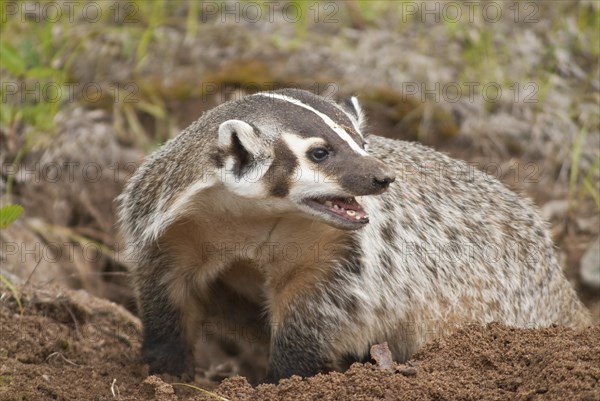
column 347, row 208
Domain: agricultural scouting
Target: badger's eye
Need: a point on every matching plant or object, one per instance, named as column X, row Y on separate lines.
column 318, row 154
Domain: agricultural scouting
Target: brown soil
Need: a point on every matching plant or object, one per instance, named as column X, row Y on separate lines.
column 69, row 345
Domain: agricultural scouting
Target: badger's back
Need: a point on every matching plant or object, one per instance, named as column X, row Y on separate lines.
column 453, row 244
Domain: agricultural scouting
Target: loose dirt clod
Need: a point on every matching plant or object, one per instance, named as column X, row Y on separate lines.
column 409, row 371
column 382, row 355
column 162, row 391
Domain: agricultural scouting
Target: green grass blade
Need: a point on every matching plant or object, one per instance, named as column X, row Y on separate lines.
column 14, row 291
column 9, row 213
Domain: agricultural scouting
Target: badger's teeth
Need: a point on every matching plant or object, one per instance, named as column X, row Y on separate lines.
column 350, row 212
column 357, row 217
column 328, row 203
column 336, row 207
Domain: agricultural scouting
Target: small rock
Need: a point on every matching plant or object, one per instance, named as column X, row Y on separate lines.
column 588, row 224
column 162, row 391
column 410, row 371
column 23, row 357
column 555, row 208
column 589, row 267
column 382, row 355
column 222, row 371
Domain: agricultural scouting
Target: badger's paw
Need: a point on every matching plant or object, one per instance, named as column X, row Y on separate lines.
column 170, row 360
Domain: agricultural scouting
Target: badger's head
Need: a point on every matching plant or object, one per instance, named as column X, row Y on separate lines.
column 294, row 150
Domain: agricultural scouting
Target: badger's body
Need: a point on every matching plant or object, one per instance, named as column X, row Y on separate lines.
column 248, row 197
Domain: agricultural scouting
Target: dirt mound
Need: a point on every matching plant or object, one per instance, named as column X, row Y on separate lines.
column 69, row 345
column 66, row 345
column 492, row 363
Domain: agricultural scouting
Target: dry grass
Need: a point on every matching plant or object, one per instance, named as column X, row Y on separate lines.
column 542, row 56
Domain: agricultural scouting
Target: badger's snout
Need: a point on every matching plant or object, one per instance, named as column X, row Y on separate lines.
column 369, row 177
column 384, row 179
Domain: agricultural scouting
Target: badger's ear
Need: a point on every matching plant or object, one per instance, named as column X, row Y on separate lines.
column 240, row 137
column 356, row 112
column 242, row 146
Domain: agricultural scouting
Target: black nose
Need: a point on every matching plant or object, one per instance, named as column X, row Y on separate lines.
column 383, row 181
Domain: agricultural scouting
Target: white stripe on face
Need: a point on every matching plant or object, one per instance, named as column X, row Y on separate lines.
column 336, row 128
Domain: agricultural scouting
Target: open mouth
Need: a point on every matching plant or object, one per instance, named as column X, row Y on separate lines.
column 347, row 209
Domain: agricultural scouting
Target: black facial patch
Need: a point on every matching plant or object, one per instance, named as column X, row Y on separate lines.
column 280, row 173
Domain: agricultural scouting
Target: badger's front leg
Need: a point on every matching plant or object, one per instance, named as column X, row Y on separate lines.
column 304, row 336
column 166, row 346
column 297, row 348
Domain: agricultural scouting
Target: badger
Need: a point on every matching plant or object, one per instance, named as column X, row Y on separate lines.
column 343, row 239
